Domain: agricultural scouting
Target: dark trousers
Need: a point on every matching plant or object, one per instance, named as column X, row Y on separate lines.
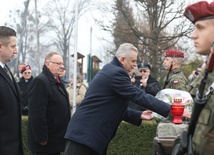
column 33, row 153
column 74, row 148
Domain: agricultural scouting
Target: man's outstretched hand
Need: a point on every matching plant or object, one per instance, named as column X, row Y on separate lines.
column 146, row 115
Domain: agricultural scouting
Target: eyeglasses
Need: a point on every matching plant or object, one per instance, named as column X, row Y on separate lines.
column 27, row 73
column 143, row 71
column 58, row 63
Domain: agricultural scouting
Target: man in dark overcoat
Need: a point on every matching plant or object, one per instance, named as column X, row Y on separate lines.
column 23, row 84
column 105, row 105
column 49, row 109
column 10, row 97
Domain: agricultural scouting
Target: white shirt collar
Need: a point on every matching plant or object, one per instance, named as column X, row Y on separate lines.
column 1, row 64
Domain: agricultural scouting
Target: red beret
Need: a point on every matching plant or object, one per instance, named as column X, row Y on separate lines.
column 174, row 53
column 25, row 68
column 199, row 11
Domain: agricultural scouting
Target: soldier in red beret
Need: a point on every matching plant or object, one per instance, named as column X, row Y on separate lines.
column 175, row 78
column 27, row 67
column 24, row 83
column 201, row 14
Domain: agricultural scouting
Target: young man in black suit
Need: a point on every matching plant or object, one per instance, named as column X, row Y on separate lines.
column 10, row 98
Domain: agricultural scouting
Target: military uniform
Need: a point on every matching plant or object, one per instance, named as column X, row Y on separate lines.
column 177, row 80
column 203, row 137
column 193, row 86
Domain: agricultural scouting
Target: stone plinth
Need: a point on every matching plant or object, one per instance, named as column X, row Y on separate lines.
column 170, row 129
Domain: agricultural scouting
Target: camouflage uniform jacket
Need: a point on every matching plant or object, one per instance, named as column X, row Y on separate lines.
column 177, row 80
column 203, row 138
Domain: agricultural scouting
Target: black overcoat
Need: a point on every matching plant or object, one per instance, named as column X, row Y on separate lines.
column 23, row 85
column 10, row 116
column 49, row 113
column 152, row 86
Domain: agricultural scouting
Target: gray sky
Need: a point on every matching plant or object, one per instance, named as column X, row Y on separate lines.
column 6, row 7
column 84, row 25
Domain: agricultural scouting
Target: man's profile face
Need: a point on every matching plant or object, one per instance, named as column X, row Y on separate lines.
column 8, row 51
column 203, row 36
column 20, row 67
column 167, row 62
column 55, row 65
column 129, row 62
column 62, row 73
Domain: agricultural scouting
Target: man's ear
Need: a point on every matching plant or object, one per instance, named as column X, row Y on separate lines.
column 175, row 61
column 47, row 64
column 122, row 60
column 1, row 46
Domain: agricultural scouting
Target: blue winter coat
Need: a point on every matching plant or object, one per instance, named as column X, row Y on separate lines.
column 105, row 105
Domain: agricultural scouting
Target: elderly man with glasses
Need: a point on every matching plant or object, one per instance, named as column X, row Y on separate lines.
column 49, row 109
column 24, row 83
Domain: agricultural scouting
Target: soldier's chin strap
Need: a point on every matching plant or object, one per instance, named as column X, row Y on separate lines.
column 167, row 77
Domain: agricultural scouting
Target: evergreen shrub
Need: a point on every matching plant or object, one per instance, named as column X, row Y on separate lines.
column 129, row 139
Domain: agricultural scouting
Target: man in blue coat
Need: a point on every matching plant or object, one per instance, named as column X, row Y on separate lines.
column 105, row 105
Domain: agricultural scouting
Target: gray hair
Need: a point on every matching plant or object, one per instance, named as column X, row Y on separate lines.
column 50, row 55
column 125, row 49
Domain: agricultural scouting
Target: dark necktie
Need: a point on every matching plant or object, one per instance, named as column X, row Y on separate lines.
column 8, row 72
column 57, row 79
